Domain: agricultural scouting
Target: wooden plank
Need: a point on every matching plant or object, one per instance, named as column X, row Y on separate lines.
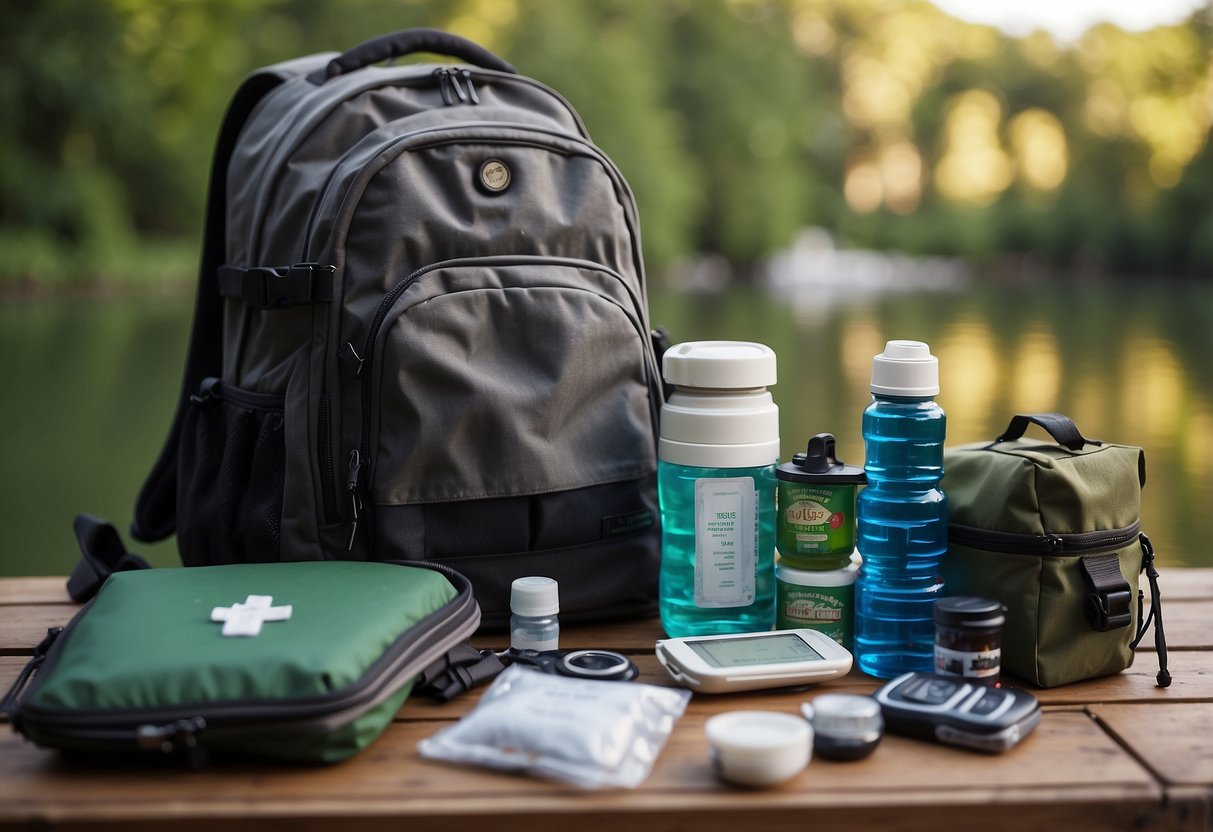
column 1184, row 584
column 1187, row 618
column 1188, row 625
column 1191, row 681
column 1174, row 740
column 34, row 591
column 626, row 811
column 1192, row 672
column 23, row 626
column 1068, row 769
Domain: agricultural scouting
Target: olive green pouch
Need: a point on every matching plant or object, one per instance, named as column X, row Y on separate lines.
column 145, row 665
column 1052, row 530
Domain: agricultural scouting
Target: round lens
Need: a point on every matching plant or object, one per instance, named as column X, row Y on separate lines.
column 595, row 663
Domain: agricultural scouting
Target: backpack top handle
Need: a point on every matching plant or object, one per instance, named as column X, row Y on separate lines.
column 407, row 42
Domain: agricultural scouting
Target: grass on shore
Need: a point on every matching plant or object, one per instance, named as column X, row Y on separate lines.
column 37, row 263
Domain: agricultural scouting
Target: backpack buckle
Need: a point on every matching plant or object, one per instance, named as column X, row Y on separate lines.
column 269, row 287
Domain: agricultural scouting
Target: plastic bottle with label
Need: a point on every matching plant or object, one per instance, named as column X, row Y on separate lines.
column 902, row 514
column 717, row 453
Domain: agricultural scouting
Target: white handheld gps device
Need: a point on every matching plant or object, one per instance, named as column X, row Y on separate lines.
column 752, row 661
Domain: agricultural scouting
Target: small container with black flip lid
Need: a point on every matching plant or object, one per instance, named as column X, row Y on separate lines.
column 816, row 528
column 968, row 638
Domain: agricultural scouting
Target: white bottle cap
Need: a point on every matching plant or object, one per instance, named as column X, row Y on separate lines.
column 720, row 414
column 719, row 365
column 534, row 596
column 905, row 368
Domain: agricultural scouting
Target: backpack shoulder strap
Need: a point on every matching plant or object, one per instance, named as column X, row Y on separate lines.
column 155, row 515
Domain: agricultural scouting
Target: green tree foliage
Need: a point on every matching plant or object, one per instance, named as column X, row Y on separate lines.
column 737, row 122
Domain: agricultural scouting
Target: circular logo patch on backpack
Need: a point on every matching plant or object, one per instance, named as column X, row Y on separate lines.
column 494, row 175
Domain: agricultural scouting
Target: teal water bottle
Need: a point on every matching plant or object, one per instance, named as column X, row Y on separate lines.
column 716, row 482
column 902, row 515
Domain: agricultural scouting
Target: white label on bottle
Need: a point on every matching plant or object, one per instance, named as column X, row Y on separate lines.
column 974, row 665
column 726, row 541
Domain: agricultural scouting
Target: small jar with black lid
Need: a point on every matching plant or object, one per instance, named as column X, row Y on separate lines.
column 968, row 638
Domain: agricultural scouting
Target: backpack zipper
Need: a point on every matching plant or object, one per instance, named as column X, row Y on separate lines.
column 1047, row 543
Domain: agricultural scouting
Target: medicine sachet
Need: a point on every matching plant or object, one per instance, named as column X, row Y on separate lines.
column 586, row 732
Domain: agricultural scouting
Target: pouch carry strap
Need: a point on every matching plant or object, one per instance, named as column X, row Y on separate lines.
column 101, row 554
column 1160, row 637
column 1106, row 604
column 1057, row 425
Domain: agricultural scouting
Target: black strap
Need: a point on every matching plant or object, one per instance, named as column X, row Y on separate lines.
column 1107, row 601
column 1058, row 425
column 273, row 287
column 1155, row 616
column 102, row 553
column 461, row 669
column 156, row 508
column 407, row 42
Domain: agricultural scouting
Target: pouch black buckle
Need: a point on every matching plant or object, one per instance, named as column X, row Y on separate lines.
column 1108, row 610
column 1108, row 603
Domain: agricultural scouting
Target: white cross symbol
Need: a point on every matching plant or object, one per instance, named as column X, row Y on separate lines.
column 246, row 619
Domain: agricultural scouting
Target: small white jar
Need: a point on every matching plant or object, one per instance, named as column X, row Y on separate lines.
column 759, row 748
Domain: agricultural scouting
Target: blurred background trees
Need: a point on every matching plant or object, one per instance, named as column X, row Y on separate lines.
column 737, row 122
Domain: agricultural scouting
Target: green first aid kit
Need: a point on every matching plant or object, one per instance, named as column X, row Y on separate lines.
column 1052, row 530
column 298, row 661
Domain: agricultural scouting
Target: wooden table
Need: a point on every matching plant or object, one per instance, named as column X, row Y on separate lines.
column 1109, row 753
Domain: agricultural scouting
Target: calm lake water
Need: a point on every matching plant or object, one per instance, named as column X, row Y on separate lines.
column 91, row 383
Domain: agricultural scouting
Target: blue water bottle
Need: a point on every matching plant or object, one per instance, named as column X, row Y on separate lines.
column 902, row 515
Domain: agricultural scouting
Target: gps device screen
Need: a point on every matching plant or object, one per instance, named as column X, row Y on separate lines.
column 742, row 652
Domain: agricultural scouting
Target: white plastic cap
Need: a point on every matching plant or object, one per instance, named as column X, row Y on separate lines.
column 720, row 414
column 905, row 368
column 534, row 597
column 719, row 365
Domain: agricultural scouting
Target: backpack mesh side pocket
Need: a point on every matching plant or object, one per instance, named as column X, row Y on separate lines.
column 231, row 478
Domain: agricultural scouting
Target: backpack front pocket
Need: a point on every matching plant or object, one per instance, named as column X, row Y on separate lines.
column 229, row 498
column 498, row 377
column 493, row 387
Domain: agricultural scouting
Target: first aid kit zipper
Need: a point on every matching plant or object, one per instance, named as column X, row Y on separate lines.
column 1043, row 543
column 176, row 728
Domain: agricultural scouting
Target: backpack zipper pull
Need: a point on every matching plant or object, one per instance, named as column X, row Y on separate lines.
column 351, row 486
column 443, row 74
column 466, row 74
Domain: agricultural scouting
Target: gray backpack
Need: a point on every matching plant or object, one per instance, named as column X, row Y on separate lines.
column 421, row 333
